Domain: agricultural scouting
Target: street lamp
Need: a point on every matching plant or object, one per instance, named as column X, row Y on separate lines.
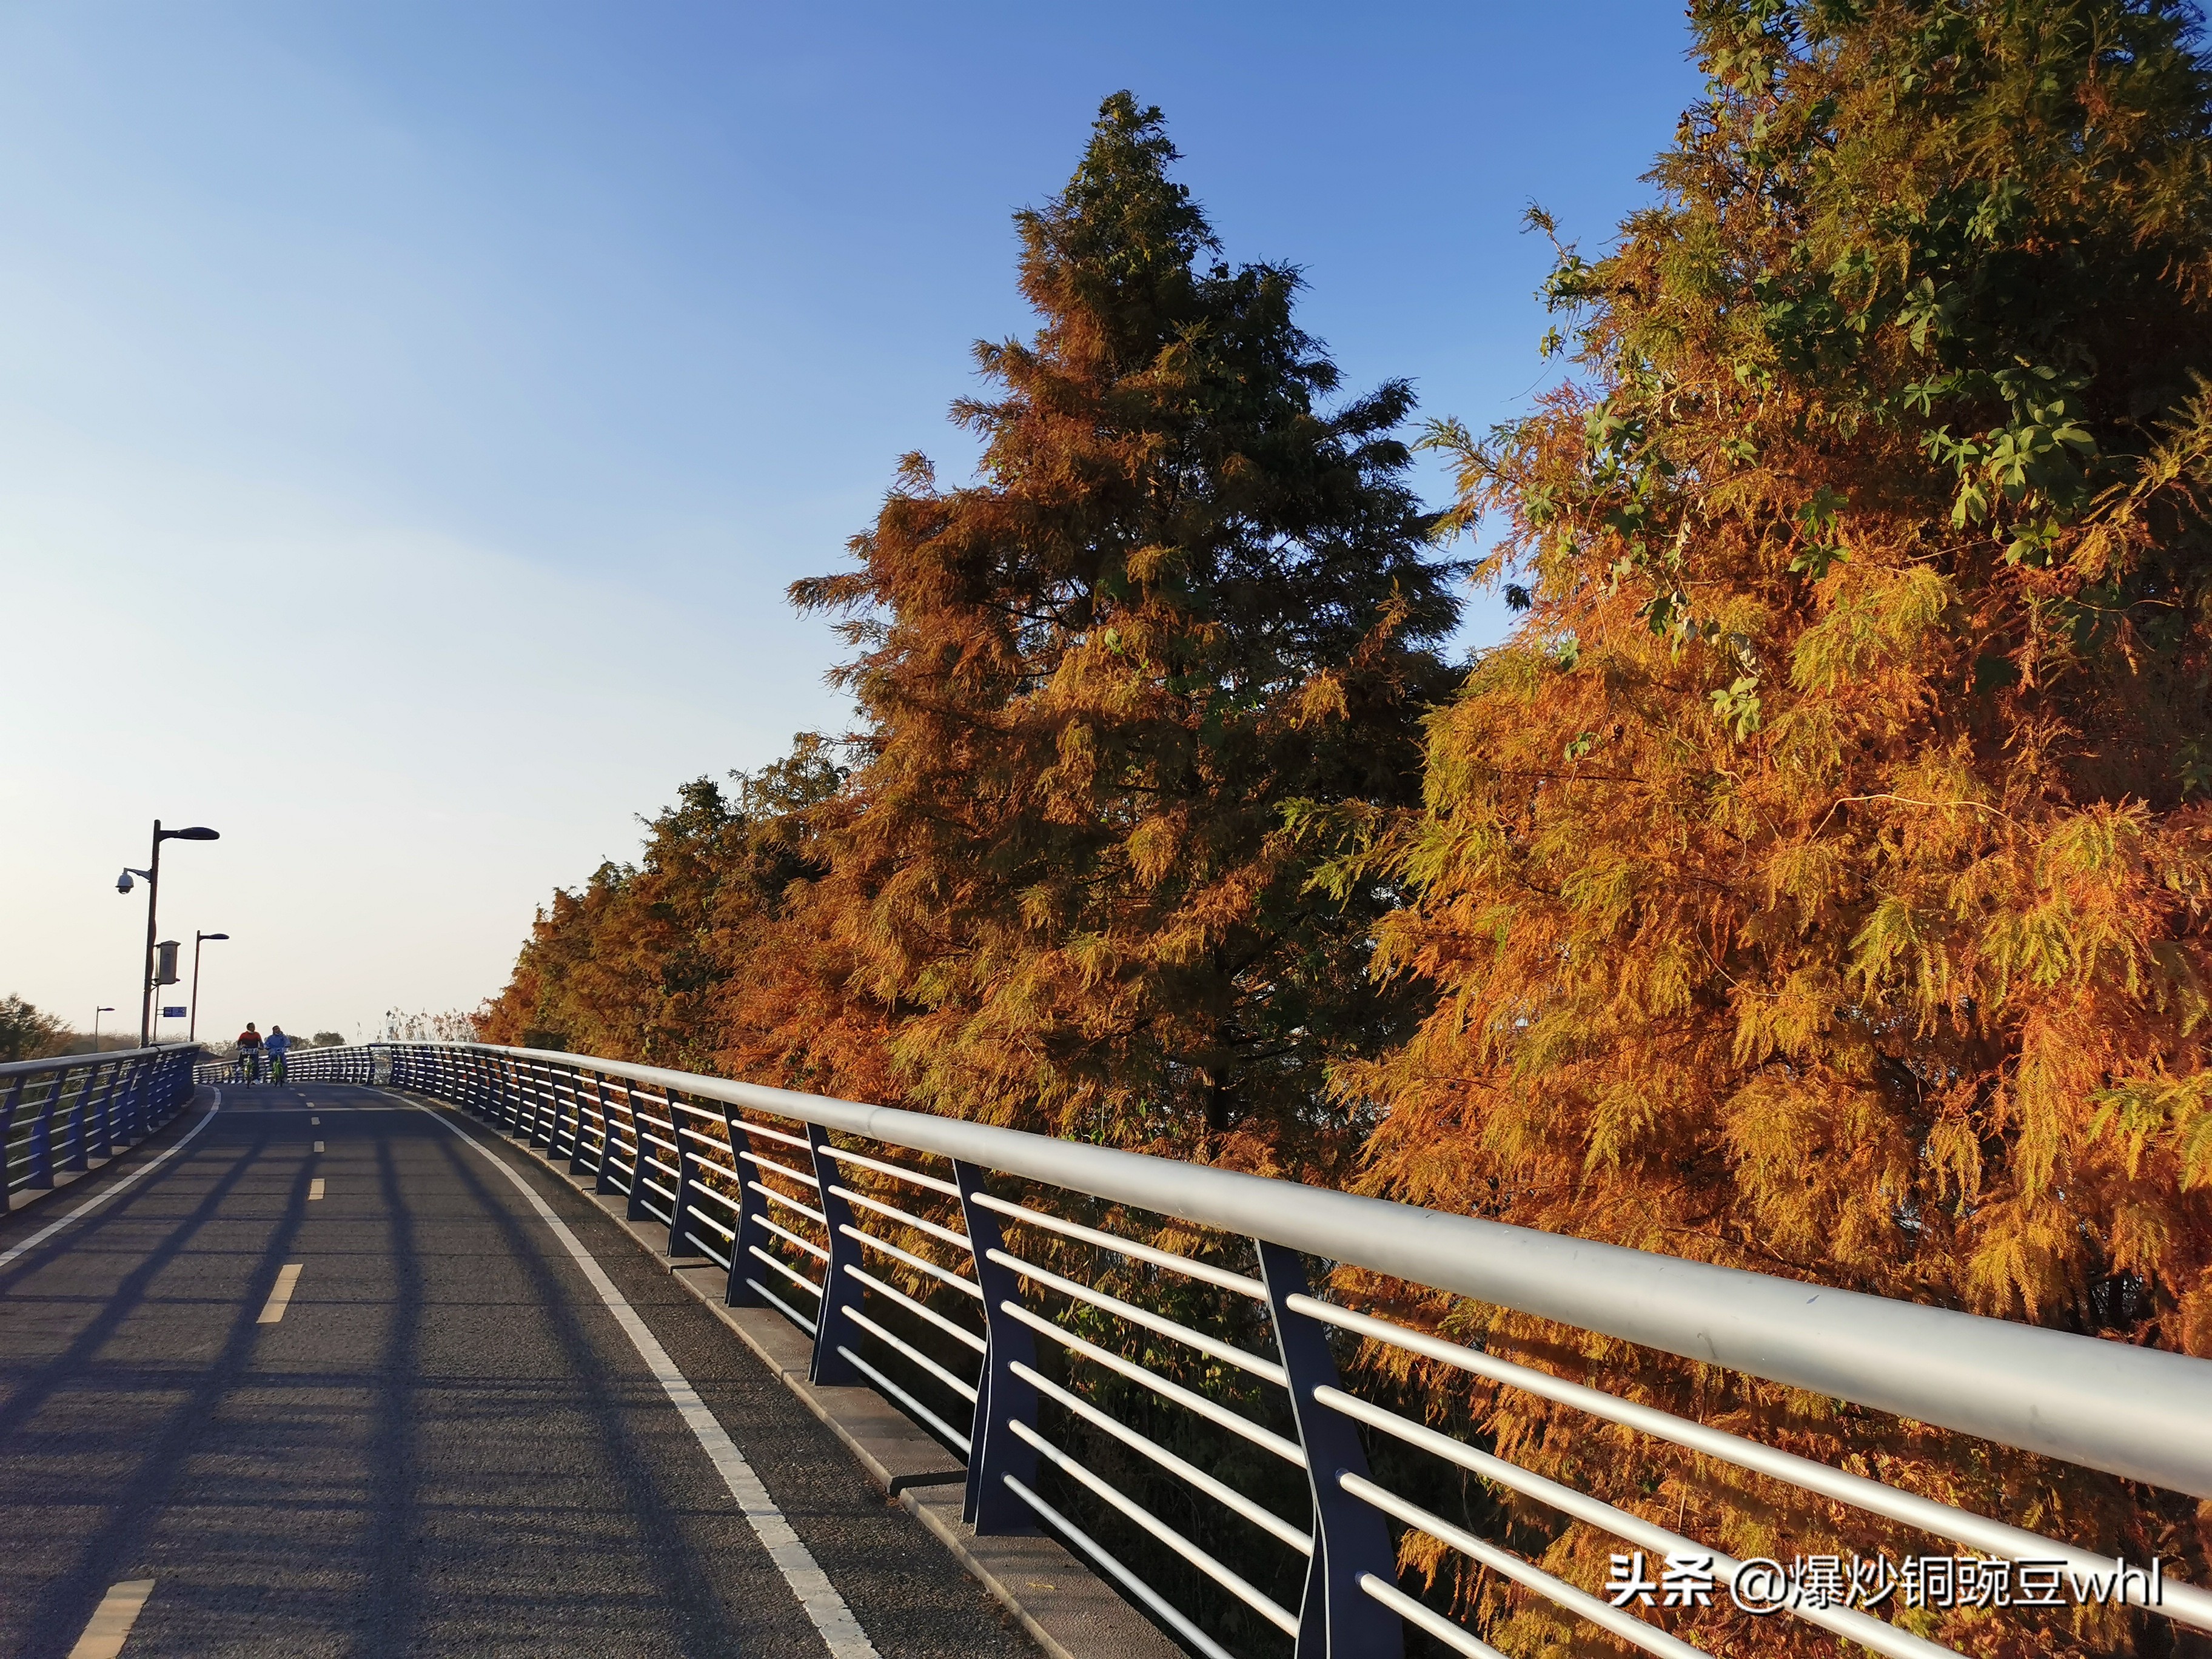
column 96, row 1014
column 153, row 874
column 192, row 1031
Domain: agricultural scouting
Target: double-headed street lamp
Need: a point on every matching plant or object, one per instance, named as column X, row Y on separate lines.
column 153, row 875
column 192, row 1031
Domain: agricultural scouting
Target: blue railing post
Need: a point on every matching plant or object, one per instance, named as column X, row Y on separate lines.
column 603, row 1180
column 1337, row 1620
column 682, row 1246
column 545, row 1114
column 1002, row 1399
column 73, row 1139
column 8, row 1138
column 97, row 1139
column 42, row 1136
column 839, row 1290
column 750, row 1205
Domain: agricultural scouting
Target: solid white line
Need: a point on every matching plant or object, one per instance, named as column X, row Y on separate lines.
column 138, row 1173
column 109, row 1628
column 840, row 1630
column 281, row 1297
column 315, row 1188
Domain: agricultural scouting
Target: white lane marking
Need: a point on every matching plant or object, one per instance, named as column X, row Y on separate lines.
column 840, row 1630
column 314, row 1122
column 315, row 1188
column 281, row 1297
column 318, row 1146
column 138, row 1173
column 109, row 1628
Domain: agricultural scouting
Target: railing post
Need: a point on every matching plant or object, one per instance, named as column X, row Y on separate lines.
column 41, row 1175
column 633, row 1210
column 682, row 1246
column 603, row 1178
column 1002, row 1399
column 831, row 1368
column 8, row 1137
column 750, row 1205
column 1337, row 1620
column 98, row 1139
column 73, row 1141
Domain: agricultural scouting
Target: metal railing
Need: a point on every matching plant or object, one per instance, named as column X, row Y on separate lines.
column 974, row 1275
column 60, row 1114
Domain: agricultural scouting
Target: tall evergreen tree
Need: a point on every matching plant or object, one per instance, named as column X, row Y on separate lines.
column 1181, row 594
column 1820, row 881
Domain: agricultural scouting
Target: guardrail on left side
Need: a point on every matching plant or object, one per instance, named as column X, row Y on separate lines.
column 59, row 1116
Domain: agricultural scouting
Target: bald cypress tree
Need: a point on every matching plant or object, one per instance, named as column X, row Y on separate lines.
column 1820, row 882
column 1183, row 590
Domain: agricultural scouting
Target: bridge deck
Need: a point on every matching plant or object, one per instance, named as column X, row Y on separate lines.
column 446, row 1444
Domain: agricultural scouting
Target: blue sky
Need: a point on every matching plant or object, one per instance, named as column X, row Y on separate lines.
column 412, row 414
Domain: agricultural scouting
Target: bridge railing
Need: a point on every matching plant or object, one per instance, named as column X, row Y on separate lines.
column 57, row 1116
column 974, row 1275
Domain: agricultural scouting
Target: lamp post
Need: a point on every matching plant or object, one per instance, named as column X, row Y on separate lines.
column 192, row 1031
column 153, row 874
column 96, row 1014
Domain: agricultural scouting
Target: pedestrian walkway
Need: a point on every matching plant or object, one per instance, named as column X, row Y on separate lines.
column 329, row 1382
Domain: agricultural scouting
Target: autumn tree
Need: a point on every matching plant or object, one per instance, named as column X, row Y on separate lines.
column 632, row 964
column 1817, row 882
column 1184, row 589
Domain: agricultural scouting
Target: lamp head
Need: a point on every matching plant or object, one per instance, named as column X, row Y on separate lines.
column 197, row 833
column 212, row 936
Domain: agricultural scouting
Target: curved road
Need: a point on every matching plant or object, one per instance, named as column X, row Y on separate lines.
column 444, row 1442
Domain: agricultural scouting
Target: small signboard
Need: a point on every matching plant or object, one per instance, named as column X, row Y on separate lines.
column 172, row 1013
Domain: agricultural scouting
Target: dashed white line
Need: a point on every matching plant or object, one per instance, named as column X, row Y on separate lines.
column 318, row 1146
column 840, row 1630
column 281, row 1297
column 315, row 1188
column 109, row 1628
column 138, row 1173
column 314, row 1122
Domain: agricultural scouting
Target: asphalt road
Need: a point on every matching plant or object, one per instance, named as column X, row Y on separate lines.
column 445, row 1445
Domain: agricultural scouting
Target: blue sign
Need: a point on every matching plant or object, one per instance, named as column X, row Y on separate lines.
column 172, row 1013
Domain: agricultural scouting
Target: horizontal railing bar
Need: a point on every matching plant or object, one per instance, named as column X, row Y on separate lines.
column 1235, row 1583
column 2030, row 1386
column 923, row 1309
column 786, row 1310
column 913, row 1176
column 1189, row 1266
column 1862, row 1628
column 785, row 1268
column 89, row 1062
column 714, row 1254
column 807, row 1245
column 1266, row 1520
column 958, row 1240
column 785, row 1170
column 1286, row 1449
column 923, row 1263
column 1428, row 1618
column 2187, row 1603
column 658, row 1215
column 753, row 1128
column 906, row 1399
column 774, row 1197
column 1144, row 1316
column 654, row 1186
column 721, row 1146
column 1621, row 1623
column 1168, row 1612
column 900, row 1345
column 692, row 1210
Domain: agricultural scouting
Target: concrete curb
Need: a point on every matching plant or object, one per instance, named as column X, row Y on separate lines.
column 1066, row 1608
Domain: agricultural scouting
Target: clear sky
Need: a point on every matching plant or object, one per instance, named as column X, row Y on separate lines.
column 411, row 414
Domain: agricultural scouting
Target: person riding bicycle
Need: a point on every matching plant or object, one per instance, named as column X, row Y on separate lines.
column 275, row 1046
column 249, row 1055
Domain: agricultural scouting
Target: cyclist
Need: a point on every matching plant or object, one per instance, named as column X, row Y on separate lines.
column 275, row 1046
column 249, row 1055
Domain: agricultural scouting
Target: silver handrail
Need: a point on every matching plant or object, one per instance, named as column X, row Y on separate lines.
column 2031, row 1388
column 2140, row 1414
column 60, row 1114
